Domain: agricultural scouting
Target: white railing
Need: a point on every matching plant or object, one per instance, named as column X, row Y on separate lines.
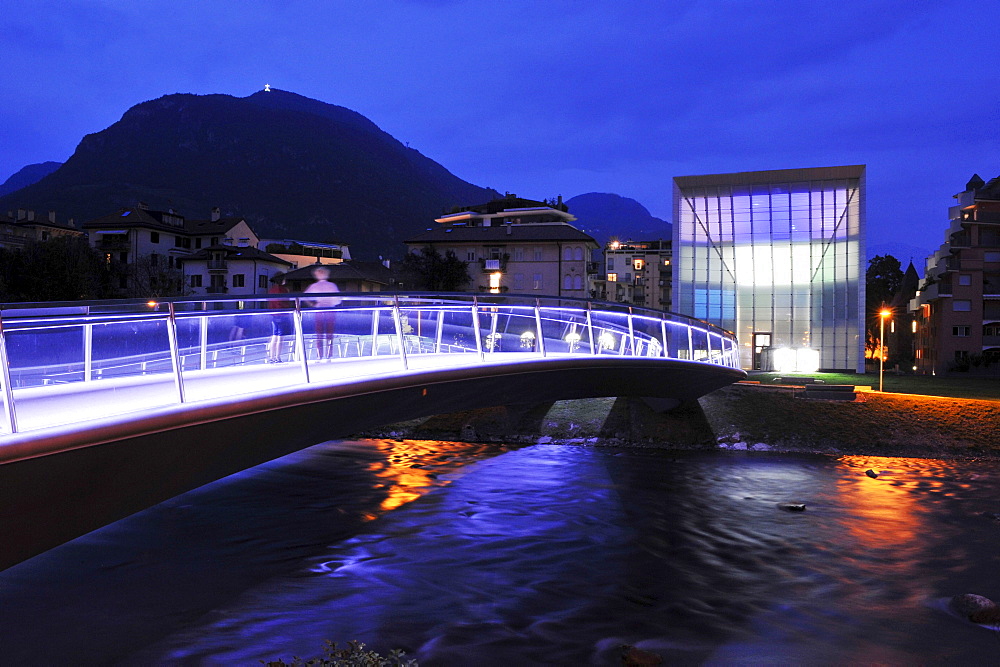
column 63, row 363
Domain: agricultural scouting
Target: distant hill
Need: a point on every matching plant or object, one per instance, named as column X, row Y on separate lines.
column 294, row 167
column 605, row 216
column 28, row 176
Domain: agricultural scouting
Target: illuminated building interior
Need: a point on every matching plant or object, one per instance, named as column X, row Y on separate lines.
column 778, row 258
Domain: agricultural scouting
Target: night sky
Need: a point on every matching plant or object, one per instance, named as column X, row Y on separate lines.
column 556, row 97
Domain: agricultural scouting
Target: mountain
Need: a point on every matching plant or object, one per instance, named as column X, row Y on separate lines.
column 294, row 167
column 605, row 216
column 28, row 176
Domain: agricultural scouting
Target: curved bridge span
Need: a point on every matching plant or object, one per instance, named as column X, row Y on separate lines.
column 111, row 407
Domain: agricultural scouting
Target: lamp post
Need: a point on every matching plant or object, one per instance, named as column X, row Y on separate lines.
column 884, row 313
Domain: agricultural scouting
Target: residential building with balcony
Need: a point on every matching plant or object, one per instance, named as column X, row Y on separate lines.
column 232, row 270
column 306, row 253
column 516, row 245
column 639, row 273
column 778, row 258
column 957, row 307
column 23, row 227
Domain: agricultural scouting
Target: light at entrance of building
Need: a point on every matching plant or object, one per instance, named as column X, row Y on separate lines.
column 495, row 282
column 796, row 360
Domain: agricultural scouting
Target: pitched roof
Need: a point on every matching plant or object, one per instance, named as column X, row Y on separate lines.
column 236, row 252
column 219, row 226
column 374, row 272
column 502, row 234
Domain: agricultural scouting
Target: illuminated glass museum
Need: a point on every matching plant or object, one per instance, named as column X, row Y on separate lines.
column 778, row 258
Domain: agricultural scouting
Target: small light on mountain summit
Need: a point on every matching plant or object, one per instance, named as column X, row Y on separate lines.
column 267, row 87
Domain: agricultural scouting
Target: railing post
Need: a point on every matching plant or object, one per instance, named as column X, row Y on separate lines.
column 538, row 325
column 300, row 339
column 690, row 343
column 631, row 332
column 175, row 354
column 8, row 393
column 88, row 351
column 708, row 345
column 590, row 329
column 399, row 330
column 663, row 335
column 440, row 330
column 203, row 341
column 475, row 327
column 375, row 328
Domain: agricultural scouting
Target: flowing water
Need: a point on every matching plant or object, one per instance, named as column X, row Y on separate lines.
column 544, row 554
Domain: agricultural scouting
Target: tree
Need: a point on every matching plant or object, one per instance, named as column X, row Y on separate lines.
column 883, row 280
column 428, row 270
column 63, row 268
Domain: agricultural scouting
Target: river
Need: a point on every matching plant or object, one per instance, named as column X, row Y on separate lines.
column 471, row 554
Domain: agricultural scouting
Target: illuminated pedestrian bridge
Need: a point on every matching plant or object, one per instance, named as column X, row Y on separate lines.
column 115, row 406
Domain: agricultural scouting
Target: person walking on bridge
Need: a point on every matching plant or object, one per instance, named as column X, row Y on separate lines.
column 281, row 324
column 324, row 319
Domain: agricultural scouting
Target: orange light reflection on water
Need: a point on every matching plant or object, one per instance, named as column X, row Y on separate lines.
column 407, row 471
column 886, row 511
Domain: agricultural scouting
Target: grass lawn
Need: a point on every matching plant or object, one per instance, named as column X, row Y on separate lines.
column 954, row 386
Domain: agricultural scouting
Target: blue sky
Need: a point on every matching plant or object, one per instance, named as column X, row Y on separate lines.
column 556, row 97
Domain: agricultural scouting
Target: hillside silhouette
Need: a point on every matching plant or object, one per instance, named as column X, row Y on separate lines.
column 294, row 167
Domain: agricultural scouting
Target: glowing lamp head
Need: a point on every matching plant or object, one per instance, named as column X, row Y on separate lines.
column 152, row 304
column 885, row 312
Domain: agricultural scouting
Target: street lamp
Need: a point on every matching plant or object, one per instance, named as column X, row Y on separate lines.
column 884, row 313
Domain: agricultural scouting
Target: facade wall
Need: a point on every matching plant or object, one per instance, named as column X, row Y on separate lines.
column 776, row 257
column 958, row 305
column 542, row 267
column 639, row 273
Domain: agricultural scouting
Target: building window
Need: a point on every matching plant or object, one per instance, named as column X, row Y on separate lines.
column 913, row 326
column 196, row 280
column 494, row 252
column 567, row 254
column 991, row 256
column 538, row 254
column 567, row 282
column 470, row 255
column 578, row 254
column 262, row 281
column 238, row 280
column 638, row 263
column 962, row 332
column 612, row 277
column 518, row 280
column 197, row 243
column 495, row 282
column 578, row 282
column 518, row 254
column 214, row 241
column 611, row 263
column 961, row 305
column 964, row 279
column 536, row 281
column 154, row 237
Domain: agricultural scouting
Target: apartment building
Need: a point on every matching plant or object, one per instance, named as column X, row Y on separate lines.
column 516, row 245
column 957, row 308
column 639, row 273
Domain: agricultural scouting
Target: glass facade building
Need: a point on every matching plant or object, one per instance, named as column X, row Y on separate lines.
column 778, row 258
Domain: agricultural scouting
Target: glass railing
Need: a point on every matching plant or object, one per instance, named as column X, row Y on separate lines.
column 69, row 362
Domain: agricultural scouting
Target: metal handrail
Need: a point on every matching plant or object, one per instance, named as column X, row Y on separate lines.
column 47, row 348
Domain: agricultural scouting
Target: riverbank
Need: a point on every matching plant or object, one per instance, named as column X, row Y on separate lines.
column 739, row 417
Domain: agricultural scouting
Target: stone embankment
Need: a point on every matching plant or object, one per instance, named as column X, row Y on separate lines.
column 740, row 417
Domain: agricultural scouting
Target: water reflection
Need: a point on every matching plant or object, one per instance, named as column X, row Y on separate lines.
column 543, row 554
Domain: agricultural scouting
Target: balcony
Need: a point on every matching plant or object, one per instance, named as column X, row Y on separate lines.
column 217, row 265
column 495, row 264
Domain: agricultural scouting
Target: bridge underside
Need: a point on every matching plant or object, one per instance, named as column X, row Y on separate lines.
column 58, row 484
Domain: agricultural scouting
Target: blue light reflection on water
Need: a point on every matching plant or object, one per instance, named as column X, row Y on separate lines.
column 541, row 555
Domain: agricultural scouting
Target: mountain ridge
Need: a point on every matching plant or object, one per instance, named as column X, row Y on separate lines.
column 292, row 166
